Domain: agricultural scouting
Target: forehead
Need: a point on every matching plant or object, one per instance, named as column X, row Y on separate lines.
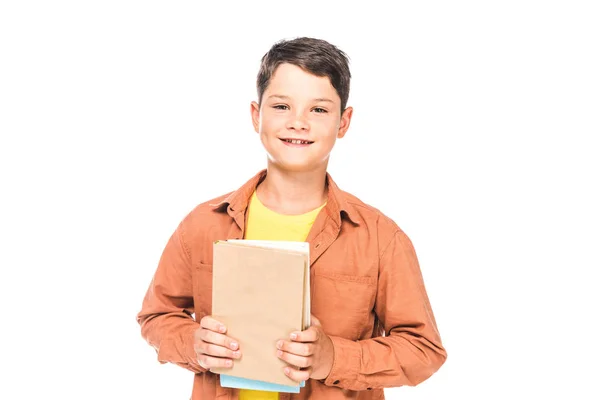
column 293, row 81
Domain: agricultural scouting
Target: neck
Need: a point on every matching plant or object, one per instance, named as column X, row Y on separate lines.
column 292, row 193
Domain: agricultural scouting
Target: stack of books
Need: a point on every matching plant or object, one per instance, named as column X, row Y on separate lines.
column 261, row 292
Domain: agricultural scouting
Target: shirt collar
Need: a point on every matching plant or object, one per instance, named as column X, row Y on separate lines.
column 337, row 205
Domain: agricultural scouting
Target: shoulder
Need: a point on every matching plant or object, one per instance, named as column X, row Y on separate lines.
column 212, row 215
column 374, row 220
column 209, row 213
column 367, row 213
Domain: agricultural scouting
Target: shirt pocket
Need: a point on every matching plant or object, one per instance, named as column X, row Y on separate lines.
column 202, row 289
column 343, row 303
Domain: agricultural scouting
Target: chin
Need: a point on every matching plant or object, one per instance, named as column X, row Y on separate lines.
column 292, row 167
column 296, row 167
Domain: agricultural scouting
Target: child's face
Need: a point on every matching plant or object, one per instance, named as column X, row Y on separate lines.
column 299, row 105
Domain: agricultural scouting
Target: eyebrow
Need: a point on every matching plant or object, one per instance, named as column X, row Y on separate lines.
column 280, row 96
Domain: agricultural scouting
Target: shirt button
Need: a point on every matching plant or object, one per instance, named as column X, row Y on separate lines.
column 336, row 382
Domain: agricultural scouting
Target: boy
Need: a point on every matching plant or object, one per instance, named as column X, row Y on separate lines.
column 372, row 325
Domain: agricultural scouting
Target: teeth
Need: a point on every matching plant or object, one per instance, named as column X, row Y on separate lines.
column 296, row 141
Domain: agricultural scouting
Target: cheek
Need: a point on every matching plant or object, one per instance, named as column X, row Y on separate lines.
column 271, row 123
column 327, row 129
column 326, row 124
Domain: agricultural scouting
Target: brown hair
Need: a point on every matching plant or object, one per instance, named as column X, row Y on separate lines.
column 315, row 56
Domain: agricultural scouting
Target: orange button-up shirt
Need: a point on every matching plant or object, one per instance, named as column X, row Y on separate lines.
column 366, row 289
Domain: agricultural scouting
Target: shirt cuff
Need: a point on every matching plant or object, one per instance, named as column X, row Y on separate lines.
column 346, row 364
column 190, row 352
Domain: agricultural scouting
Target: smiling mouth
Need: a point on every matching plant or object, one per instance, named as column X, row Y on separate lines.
column 296, row 141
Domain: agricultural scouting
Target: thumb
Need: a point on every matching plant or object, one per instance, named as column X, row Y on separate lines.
column 314, row 321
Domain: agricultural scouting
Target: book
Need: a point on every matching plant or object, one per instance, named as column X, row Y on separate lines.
column 261, row 292
column 251, row 384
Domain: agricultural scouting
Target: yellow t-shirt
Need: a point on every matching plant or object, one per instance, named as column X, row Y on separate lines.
column 264, row 224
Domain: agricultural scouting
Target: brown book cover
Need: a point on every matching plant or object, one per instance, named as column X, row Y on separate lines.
column 261, row 292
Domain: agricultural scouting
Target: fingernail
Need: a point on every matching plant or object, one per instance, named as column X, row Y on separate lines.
column 229, row 363
column 279, row 353
column 237, row 354
column 222, row 328
column 287, row 371
column 293, row 336
column 233, row 345
column 280, row 344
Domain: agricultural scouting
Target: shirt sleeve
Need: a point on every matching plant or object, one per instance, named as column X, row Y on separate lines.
column 166, row 316
column 411, row 350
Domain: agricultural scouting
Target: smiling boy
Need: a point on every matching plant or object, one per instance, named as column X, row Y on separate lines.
column 372, row 325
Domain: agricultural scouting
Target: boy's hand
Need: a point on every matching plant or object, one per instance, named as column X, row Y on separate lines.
column 311, row 350
column 213, row 348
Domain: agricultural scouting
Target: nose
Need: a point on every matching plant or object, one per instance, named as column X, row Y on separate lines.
column 298, row 122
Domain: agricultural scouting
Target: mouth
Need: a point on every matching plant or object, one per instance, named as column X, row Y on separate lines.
column 297, row 142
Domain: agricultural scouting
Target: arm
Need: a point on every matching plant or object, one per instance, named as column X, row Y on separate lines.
column 166, row 315
column 411, row 350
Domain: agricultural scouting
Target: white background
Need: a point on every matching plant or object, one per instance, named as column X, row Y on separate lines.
column 475, row 128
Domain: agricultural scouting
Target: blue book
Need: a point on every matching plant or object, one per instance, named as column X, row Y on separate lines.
column 251, row 384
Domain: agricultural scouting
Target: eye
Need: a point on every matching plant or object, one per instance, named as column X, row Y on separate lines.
column 320, row 110
column 280, row 107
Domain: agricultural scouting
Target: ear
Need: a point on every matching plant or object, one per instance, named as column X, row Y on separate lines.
column 345, row 122
column 255, row 114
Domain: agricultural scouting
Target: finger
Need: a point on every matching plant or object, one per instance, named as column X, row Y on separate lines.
column 300, row 349
column 216, row 351
column 208, row 362
column 311, row 334
column 208, row 322
column 297, row 375
column 293, row 359
column 314, row 321
column 216, row 338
